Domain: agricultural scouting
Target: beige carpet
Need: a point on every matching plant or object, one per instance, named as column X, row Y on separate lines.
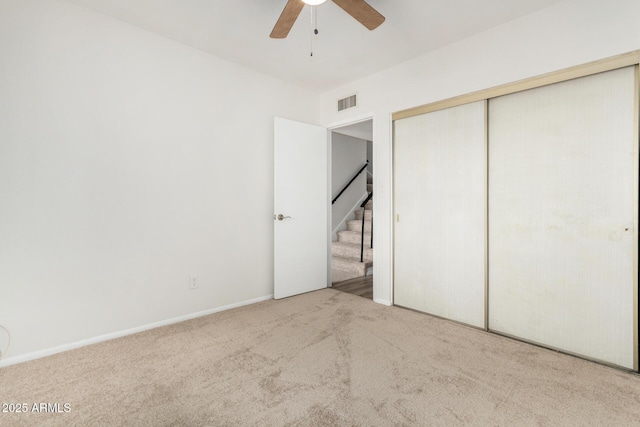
column 323, row 358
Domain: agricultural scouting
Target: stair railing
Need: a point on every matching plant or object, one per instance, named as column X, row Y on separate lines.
column 363, row 206
column 349, row 183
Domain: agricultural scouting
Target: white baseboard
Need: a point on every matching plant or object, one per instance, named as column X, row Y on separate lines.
column 383, row 302
column 65, row 347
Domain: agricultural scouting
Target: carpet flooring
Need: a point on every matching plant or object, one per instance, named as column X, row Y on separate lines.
column 325, row 358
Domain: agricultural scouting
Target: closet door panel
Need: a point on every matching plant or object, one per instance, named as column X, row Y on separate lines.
column 440, row 207
column 563, row 216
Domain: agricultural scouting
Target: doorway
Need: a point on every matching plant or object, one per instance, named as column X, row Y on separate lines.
column 351, row 262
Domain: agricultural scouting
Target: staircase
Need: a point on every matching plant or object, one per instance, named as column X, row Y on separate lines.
column 345, row 253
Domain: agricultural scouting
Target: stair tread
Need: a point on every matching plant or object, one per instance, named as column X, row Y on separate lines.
column 350, row 265
column 368, row 214
column 341, row 248
column 350, row 245
column 354, row 237
column 351, row 250
column 356, row 225
column 338, row 261
column 352, row 232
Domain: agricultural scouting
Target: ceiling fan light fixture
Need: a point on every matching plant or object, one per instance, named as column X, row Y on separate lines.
column 359, row 9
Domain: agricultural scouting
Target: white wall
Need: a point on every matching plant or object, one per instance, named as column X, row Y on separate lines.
column 563, row 35
column 126, row 157
column 348, row 155
column 127, row 163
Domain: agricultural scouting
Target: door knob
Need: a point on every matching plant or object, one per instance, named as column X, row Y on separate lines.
column 281, row 217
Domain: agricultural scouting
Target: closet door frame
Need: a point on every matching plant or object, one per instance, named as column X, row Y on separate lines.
column 591, row 68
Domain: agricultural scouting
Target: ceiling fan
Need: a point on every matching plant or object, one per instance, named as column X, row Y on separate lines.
column 359, row 9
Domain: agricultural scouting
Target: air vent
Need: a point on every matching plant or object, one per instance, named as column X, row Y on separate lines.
column 348, row 102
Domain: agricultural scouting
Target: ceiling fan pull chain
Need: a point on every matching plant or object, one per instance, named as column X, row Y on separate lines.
column 314, row 30
column 314, row 19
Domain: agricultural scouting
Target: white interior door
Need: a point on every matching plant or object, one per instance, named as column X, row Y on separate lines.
column 563, row 200
column 301, row 204
column 440, row 202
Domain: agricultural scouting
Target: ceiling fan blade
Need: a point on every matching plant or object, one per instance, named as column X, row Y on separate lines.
column 362, row 12
column 287, row 19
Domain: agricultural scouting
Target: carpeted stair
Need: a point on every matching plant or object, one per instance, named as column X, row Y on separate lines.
column 345, row 253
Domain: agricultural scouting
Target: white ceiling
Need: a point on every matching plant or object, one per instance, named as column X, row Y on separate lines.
column 238, row 30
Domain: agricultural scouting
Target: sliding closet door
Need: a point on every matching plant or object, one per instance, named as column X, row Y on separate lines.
column 563, row 216
column 440, row 207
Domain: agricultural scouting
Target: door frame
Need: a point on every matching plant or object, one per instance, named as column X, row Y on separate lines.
column 337, row 125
